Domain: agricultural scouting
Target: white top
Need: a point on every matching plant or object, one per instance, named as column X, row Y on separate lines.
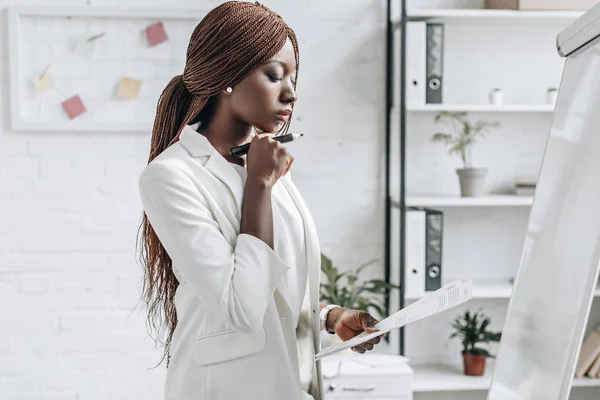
column 289, row 244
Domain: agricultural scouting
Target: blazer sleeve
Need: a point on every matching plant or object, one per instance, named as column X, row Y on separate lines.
column 237, row 282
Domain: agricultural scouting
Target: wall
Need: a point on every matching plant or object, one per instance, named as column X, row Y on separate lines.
column 69, row 210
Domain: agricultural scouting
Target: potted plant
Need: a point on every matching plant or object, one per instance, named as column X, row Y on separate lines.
column 345, row 289
column 473, row 331
column 464, row 135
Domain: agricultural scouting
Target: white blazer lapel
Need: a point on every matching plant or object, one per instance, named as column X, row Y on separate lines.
column 313, row 255
column 225, row 172
column 313, row 251
column 199, row 146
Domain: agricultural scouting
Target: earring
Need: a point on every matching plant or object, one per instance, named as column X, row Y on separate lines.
column 229, row 89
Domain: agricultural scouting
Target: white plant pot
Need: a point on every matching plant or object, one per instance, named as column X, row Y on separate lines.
column 497, row 97
column 472, row 181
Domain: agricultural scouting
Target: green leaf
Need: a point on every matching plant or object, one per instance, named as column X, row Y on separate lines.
column 441, row 137
column 351, row 292
column 493, row 337
column 479, row 352
column 484, row 324
column 363, row 266
column 379, row 308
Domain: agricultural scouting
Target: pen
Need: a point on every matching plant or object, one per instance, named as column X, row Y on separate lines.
column 243, row 149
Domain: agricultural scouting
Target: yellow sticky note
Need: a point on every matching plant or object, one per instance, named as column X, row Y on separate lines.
column 129, row 88
column 43, row 82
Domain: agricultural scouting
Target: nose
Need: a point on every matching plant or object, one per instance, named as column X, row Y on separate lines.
column 288, row 96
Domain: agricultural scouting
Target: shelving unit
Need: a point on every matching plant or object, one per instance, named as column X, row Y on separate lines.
column 431, row 378
column 484, row 201
column 481, row 108
column 448, row 378
column 482, row 17
column 485, row 290
column 491, row 290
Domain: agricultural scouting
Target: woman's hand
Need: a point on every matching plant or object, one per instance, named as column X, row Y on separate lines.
column 268, row 160
column 348, row 323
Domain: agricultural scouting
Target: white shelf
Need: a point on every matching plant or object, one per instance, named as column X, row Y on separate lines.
column 491, row 290
column 485, row 290
column 506, row 108
column 483, row 16
column 455, row 201
column 443, row 378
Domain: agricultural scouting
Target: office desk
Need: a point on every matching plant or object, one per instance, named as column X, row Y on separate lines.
column 369, row 376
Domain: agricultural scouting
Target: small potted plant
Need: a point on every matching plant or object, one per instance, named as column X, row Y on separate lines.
column 473, row 331
column 367, row 295
column 465, row 134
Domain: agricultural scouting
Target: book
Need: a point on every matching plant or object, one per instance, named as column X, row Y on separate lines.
column 590, row 350
column 594, row 369
column 525, row 186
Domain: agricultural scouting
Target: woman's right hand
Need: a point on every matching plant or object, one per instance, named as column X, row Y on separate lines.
column 267, row 160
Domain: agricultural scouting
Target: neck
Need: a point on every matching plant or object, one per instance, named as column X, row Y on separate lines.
column 225, row 132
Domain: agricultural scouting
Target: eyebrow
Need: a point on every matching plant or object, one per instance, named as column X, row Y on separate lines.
column 279, row 62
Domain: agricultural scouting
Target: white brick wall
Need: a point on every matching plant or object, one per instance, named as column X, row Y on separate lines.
column 69, row 210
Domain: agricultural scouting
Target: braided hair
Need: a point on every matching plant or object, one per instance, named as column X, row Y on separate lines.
column 230, row 42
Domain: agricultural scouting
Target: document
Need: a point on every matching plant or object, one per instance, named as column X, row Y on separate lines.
column 443, row 299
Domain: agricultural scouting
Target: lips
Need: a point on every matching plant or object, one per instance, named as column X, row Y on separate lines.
column 284, row 115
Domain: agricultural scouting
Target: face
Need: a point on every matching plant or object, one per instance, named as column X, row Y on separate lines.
column 264, row 99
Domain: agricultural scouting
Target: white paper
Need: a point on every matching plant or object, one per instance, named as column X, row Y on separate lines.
column 443, row 299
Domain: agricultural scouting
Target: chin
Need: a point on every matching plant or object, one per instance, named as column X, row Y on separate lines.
column 270, row 128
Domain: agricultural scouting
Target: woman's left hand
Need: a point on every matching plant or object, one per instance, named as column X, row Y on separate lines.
column 348, row 323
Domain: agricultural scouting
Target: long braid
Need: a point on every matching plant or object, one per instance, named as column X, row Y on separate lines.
column 230, row 42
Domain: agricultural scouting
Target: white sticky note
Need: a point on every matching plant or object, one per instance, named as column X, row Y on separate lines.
column 82, row 45
column 43, row 82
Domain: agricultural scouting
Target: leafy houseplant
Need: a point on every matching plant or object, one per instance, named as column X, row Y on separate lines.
column 473, row 330
column 353, row 294
column 464, row 134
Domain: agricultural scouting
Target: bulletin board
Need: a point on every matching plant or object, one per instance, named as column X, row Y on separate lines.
column 93, row 69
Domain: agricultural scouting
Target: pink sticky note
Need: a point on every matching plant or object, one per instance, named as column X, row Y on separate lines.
column 156, row 34
column 73, row 107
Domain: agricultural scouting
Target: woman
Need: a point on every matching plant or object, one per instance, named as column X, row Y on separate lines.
column 228, row 243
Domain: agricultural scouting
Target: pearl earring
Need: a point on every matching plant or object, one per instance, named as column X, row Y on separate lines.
column 229, row 90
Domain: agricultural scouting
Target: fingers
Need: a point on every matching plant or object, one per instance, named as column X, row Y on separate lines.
column 375, row 340
column 363, row 347
column 368, row 321
column 359, row 349
column 283, row 153
column 289, row 165
column 367, row 346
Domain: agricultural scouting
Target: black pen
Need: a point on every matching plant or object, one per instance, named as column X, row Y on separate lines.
column 243, row 149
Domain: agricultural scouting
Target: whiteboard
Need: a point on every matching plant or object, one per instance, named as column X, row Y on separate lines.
column 549, row 308
column 46, row 36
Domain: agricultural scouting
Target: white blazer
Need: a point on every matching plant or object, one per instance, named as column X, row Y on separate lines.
column 234, row 338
